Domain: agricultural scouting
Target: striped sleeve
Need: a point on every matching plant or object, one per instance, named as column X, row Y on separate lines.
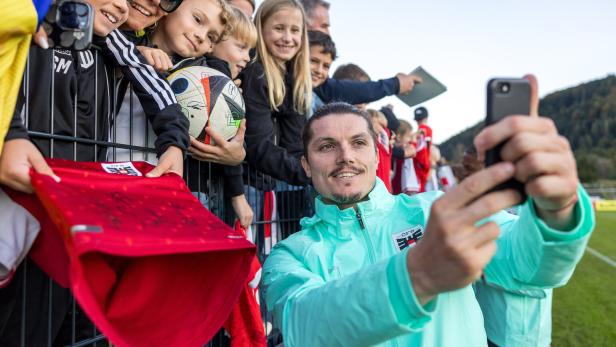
column 154, row 93
column 145, row 80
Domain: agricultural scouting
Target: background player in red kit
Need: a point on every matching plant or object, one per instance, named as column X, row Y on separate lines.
column 424, row 142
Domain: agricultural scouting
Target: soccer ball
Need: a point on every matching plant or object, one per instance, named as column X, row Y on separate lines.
column 208, row 98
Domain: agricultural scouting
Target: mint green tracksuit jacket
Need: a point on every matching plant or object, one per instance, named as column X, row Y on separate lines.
column 343, row 281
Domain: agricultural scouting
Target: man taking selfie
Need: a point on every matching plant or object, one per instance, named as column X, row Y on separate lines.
column 370, row 268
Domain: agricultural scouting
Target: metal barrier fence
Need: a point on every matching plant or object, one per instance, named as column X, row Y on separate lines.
column 603, row 191
column 37, row 312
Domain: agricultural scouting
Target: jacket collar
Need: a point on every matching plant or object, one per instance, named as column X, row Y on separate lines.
column 379, row 200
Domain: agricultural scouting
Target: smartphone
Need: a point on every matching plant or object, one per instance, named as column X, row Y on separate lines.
column 69, row 24
column 506, row 97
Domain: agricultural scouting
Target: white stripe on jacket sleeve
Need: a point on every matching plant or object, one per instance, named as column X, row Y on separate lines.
column 124, row 53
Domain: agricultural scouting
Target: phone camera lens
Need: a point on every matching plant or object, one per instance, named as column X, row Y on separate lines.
column 69, row 14
column 67, row 9
column 504, row 88
column 82, row 10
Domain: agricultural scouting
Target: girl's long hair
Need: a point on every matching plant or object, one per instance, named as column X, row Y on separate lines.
column 274, row 72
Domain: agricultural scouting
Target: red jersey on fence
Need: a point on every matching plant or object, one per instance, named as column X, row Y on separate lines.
column 144, row 259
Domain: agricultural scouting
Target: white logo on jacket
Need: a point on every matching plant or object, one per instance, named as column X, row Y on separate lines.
column 61, row 64
column 86, row 59
column 407, row 237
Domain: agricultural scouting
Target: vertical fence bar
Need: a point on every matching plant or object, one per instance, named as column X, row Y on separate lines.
column 96, row 108
column 51, row 155
column 73, row 318
column 24, row 304
column 288, row 205
column 130, row 123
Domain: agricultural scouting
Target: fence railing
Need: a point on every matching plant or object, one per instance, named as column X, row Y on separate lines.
column 602, row 191
column 34, row 311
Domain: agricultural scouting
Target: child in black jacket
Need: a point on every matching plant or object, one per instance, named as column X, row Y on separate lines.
column 182, row 38
column 66, row 103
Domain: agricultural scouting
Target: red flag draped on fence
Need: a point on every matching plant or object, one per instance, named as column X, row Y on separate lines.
column 244, row 325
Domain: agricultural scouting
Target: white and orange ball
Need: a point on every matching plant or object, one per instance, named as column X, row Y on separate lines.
column 208, row 98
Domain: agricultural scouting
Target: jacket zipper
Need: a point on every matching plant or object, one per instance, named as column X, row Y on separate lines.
column 366, row 236
column 370, row 249
column 359, row 219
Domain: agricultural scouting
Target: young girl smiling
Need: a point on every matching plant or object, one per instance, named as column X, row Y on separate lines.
column 278, row 92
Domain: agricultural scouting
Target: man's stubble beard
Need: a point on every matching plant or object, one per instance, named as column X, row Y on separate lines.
column 347, row 199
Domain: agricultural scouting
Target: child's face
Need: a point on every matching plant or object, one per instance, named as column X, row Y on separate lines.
column 234, row 52
column 403, row 139
column 108, row 15
column 378, row 128
column 282, row 33
column 192, row 29
column 142, row 14
column 319, row 65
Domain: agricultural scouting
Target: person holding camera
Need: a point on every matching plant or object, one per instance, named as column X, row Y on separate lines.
column 370, row 268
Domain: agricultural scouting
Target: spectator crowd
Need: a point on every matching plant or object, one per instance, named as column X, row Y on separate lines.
column 114, row 96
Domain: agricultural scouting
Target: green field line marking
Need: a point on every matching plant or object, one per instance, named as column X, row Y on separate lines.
column 609, row 261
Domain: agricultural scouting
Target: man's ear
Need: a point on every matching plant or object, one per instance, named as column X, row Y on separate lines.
column 306, row 166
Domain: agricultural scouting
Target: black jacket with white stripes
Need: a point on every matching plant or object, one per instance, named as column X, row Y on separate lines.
column 70, row 94
column 199, row 175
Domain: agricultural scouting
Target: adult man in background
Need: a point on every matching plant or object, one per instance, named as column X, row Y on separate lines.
column 371, row 268
column 317, row 13
column 246, row 6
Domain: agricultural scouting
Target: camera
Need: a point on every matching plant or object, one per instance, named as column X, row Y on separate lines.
column 69, row 24
column 503, row 87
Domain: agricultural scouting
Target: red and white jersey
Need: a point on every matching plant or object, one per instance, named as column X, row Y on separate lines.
column 129, row 247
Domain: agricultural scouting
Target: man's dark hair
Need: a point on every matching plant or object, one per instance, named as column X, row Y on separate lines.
column 310, row 5
column 333, row 109
column 351, row 72
column 318, row 38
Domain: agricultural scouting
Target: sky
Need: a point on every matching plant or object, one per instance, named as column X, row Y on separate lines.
column 465, row 43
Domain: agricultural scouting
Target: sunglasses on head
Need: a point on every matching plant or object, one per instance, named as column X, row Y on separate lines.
column 169, row 5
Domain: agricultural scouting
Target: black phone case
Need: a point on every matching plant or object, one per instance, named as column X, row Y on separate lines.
column 500, row 105
column 77, row 40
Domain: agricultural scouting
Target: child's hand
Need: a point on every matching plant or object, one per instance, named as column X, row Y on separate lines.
column 242, row 210
column 156, row 57
column 238, row 82
column 170, row 161
column 17, row 158
column 230, row 152
column 409, row 151
column 40, row 38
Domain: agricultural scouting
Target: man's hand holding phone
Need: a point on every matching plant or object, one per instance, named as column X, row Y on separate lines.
column 543, row 160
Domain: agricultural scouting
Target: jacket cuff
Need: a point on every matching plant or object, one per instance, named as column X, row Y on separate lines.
column 584, row 220
column 16, row 130
column 404, row 302
column 233, row 182
column 396, row 83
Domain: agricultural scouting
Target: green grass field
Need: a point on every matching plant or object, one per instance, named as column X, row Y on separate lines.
column 584, row 312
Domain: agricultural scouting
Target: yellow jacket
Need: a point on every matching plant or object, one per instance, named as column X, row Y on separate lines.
column 19, row 20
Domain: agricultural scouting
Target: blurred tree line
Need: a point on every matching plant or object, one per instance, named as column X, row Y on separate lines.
column 585, row 115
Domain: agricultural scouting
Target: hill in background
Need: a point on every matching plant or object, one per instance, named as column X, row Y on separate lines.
column 585, row 115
